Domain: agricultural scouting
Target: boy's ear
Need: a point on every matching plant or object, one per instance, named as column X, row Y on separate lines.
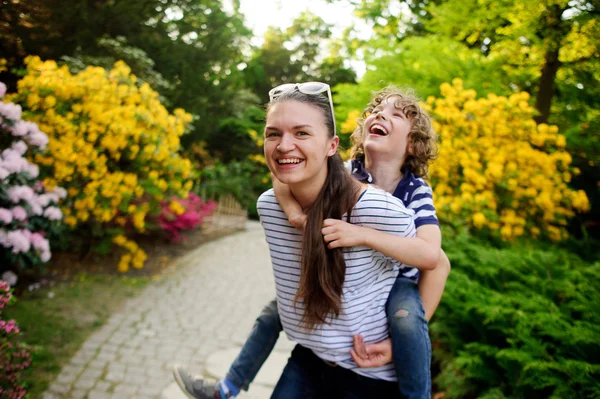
column 335, row 142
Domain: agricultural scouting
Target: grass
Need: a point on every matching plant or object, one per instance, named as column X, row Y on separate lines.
column 58, row 319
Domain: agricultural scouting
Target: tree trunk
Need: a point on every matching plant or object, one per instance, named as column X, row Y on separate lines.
column 543, row 100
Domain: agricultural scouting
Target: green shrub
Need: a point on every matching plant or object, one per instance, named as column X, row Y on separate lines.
column 245, row 181
column 518, row 322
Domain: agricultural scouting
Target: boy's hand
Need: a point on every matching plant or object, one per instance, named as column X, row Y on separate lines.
column 298, row 220
column 371, row 355
column 338, row 233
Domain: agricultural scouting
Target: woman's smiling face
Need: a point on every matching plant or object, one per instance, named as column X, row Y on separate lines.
column 297, row 143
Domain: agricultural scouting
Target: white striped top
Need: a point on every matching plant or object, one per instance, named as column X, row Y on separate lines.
column 370, row 276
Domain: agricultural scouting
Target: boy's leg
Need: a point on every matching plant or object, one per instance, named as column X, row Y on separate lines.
column 411, row 347
column 257, row 348
column 432, row 283
column 244, row 368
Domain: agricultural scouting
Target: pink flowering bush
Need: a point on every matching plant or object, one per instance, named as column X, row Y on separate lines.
column 29, row 213
column 14, row 357
column 183, row 214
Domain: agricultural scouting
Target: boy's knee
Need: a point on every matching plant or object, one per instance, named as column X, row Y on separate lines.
column 269, row 314
column 405, row 322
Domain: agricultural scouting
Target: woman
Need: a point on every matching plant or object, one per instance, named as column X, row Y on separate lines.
column 325, row 296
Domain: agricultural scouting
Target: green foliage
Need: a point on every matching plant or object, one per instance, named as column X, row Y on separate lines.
column 422, row 63
column 111, row 50
column 245, row 180
column 231, row 140
column 518, row 322
column 294, row 55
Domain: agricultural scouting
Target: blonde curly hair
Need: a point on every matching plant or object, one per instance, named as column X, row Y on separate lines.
column 422, row 140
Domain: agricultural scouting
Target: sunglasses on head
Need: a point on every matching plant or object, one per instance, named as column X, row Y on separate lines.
column 311, row 88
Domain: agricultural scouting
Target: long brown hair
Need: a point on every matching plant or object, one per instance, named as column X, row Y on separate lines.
column 323, row 270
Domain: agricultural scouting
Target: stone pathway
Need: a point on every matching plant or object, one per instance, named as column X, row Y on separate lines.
column 198, row 317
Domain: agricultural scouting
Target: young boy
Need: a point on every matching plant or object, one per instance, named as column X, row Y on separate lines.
column 393, row 145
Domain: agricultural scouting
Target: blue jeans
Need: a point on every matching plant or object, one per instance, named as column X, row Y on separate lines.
column 410, row 342
column 257, row 347
column 411, row 347
column 306, row 376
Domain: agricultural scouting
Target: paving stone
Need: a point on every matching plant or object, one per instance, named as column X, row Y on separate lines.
column 99, row 364
column 58, row 388
column 115, row 376
column 84, row 383
column 102, row 386
column 65, row 379
column 99, row 395
column 91, row 374
column 78, row 394
column 126, row 389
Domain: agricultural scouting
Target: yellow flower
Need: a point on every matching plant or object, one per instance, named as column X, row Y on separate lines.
column 176, row 208
column 479, row 219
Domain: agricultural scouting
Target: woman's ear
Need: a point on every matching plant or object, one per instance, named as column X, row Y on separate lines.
column 335, row 141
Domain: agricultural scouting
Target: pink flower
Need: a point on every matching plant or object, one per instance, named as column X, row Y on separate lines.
column 9, row 326
column 53, row 213
column 18, row 241
column 3, row 173
column 33, row 170
column 38, row 139
column 45, row 256
column 20, row 129
column 20, row 147
column 61, row 192
column 18, row 193
column 19, row 213
column 36, row 208
column 39, row 242
column 13, row 162
column 10, row 111
column 38, row 186
column 2, row 89
column 6, row 216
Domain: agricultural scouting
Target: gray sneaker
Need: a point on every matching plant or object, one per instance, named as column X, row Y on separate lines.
column 195, row 388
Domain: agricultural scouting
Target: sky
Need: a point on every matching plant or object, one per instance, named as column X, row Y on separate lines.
column 260, row 14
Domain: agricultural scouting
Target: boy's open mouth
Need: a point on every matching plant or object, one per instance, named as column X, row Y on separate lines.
column 378, row 130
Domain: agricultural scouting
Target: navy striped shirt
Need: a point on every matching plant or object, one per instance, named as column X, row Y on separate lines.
column 414, row 192
column 369, row 278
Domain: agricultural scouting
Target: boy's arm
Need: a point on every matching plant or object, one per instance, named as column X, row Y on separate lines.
column 288, row 203
column 422, row 251
column 432, row 283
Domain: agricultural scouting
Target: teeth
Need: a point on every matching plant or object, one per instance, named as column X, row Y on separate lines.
column 289, row 161
column 378, row 130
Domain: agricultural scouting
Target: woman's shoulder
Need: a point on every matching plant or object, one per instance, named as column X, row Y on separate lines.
column 267, row 200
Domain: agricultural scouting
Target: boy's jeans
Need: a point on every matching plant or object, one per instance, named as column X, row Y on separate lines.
column 410, row 342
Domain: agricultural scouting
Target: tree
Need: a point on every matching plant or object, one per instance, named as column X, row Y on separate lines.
column 295, row 55
column 196, row 46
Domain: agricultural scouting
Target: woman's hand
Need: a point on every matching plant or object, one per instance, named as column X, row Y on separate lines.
column 371, row 355
column 338, row 233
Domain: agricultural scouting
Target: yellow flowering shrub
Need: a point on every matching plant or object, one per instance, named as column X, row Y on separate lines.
column 497, row 169
column 112, row 145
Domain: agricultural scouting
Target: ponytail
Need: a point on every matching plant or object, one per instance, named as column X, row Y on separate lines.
column 323, row 270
